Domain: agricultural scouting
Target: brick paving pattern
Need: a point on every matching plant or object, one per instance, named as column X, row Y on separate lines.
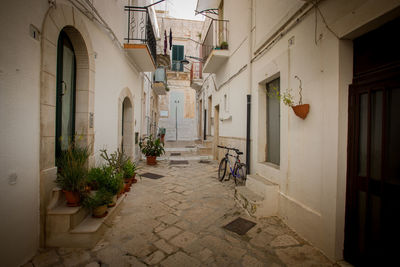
column 178, row 221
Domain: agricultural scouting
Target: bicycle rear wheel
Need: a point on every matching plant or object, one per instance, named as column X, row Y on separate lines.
column 222, row 169
column 240, row 175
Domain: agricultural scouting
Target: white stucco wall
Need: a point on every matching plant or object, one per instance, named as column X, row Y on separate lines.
column 20, row 92
column 312, row 173
column 19, row 142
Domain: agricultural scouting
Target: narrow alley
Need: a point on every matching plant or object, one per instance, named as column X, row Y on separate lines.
column 179, row 219
column 121, row 119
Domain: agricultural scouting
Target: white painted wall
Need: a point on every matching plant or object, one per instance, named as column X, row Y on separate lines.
column 311, row 176
column 19, row 142
column 20, row 64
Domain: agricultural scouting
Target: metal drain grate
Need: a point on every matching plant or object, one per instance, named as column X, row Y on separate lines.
column 190, row 146
column 204, row 161
column 178, row 162
column 152, row 175
column 240, row 226
column 175, row 154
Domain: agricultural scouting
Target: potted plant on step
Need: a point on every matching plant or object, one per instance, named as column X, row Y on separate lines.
column 130, row 171
column 224, row 45
column 301, row 110
column 72, row 172
column 151, row 148
column 98, row 202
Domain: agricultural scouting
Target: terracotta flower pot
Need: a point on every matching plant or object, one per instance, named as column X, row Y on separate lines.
column 151, row 160
column 301, row 110
column 121, row 192
column 127, row 187
column 73, row 198
column 113, row 202
column 100, row 211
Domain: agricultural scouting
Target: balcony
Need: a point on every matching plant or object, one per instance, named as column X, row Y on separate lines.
column 160, row 85
column 215, row 47
column 141, row 42
column 196, row 76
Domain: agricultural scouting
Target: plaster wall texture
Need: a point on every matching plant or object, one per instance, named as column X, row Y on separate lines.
column 311, row 176
column 19, row 143
column 112, row 76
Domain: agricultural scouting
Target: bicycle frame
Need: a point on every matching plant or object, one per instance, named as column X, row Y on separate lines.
column 237, row 160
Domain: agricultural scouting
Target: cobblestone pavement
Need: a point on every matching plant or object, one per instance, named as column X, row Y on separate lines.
column 177, row 221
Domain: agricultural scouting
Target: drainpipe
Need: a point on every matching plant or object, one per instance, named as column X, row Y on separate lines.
column 205, row 124
column 248, row 134
column 250, row 77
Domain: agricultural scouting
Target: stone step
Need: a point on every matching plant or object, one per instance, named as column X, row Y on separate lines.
column 259, row 197
column 260, row 185
column 204, row 151
column 75, row 226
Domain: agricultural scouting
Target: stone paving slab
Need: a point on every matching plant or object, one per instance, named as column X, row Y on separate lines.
column 178, row 221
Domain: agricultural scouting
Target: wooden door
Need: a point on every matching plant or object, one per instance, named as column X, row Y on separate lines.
column 373, row 178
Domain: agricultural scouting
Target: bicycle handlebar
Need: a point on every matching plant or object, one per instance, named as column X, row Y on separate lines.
column 230, row 148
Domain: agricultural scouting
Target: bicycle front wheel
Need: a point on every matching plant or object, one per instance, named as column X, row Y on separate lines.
column 222, row 169
column 240, row 175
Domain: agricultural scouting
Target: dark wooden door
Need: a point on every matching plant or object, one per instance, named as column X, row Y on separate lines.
column 373, row 178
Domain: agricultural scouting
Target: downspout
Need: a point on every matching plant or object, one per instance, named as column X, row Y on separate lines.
column 250, row 78
column 205, row 124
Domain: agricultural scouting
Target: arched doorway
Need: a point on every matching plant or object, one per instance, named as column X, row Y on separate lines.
column 126, row 144
column 63, row 24
column 66, row 93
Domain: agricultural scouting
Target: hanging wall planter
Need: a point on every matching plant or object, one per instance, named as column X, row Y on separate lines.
column 301, row 110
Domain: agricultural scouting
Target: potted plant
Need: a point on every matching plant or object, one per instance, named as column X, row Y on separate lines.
column 224, row 45
column 72, row 171
column 301, row 110
column 162, row 132
column 130, row 171
column 151, row 148
column 98, row 202
column 115, row 160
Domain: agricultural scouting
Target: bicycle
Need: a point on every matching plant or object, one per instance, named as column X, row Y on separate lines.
column 238, row 171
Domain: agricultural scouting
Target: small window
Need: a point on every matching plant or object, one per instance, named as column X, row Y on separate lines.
column 177, row 56
column 273, row 154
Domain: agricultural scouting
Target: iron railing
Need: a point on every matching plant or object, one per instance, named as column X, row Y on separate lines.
column 196, row 71
column 140, row 29
column 216, row 37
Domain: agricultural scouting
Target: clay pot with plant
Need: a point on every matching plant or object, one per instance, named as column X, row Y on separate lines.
column 98, row 202
column 72, row 172
column 224, row 45
column 130, row 171
column 151, row 148
column 301, row 110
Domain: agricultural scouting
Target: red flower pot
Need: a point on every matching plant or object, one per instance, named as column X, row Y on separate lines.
column 301, row 110
column 73, row 198
column 151, row 160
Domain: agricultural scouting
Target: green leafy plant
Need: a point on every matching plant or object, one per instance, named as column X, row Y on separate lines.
column 129, row 169
column 115, row 160
column 72, row 169
column 224, row 45
column 106, row 178
column 100, row 198
column 286, row 97
column 151, row 147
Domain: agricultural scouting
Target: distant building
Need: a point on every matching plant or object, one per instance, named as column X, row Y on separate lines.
column 178, row 105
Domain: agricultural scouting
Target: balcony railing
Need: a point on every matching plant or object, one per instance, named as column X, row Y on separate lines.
column 216, row 37
column 140, row 29
column 196, row 71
